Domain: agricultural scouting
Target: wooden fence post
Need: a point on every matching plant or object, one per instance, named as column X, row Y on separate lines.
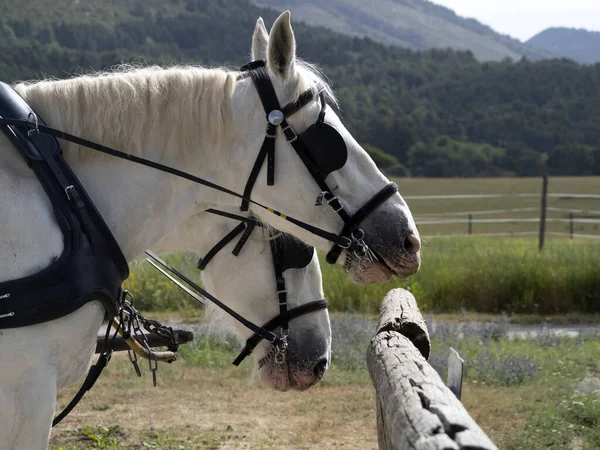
column 470, row 223
column 543, row 211
column 571, row 226
column 415, row 409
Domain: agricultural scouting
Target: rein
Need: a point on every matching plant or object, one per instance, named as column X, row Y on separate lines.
column 35, row 127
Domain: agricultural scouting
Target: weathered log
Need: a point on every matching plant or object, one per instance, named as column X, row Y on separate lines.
column 399, row 312
column 415, row 410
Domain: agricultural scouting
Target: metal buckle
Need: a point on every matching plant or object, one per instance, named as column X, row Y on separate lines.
column 292, row 131
column 279, row 293
column 10, row 313
column 348, row 245
column 32, row 117
column 335, row 198
column 67, row 189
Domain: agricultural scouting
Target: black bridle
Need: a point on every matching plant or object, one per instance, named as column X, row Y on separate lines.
column 278, row 249
column 322, row 133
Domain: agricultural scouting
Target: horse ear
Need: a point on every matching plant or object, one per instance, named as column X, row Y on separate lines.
column 282, row 47
column 260, row 41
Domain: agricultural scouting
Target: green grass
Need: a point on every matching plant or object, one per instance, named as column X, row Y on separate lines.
column 481, row 274
column 489, row 275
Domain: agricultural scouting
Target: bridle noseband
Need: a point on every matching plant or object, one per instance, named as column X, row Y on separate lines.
column 314, row 161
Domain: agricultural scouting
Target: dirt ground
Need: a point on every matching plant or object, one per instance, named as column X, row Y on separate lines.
column 222, row 409
column 195, row 408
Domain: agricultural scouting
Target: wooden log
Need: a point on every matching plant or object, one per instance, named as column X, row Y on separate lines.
column 399, row 312
column 415, row 409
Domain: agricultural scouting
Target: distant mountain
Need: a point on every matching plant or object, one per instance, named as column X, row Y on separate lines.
column 579, row 45
column 415, row 24
column 438, row 112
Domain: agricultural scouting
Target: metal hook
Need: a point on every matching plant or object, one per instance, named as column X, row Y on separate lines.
column 32, row 117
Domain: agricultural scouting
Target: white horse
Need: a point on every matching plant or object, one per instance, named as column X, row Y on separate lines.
column 208, row 122
column 309, row 348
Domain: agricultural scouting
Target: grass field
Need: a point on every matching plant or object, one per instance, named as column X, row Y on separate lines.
column 491, row 275
column 525, row 394
column 428, row 209
column 482, row 274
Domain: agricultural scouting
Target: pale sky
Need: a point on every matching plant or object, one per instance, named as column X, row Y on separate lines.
column 525, row 18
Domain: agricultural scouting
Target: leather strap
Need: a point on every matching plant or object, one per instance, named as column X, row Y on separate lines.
column 293, row 313
column 360, row 215
column 342, row 241
column 203, row 262
column 265, row 334
column 267, row 149
column 280, row 286
column 90, row 379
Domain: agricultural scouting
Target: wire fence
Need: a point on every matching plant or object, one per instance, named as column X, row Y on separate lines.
column 586, row 220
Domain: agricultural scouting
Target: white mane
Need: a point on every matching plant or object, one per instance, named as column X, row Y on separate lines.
column 127, row 106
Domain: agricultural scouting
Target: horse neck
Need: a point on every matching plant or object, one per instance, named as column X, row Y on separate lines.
column 153, row 114
column 199, row 233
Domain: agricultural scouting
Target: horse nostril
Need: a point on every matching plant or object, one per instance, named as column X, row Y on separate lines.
column 320, row 368
column 412, row 244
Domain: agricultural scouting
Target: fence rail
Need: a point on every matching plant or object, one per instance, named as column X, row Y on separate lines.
column 563, row 196
column 415, row 409
column 510, row 220
column 588, row 219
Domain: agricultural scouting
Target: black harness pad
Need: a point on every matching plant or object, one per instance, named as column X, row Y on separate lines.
column 326, row 147
column 293, row 253
column 14, row 107
column 91, row 266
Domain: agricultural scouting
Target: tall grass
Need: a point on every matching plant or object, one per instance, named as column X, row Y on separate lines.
column 488, row 275
column 477, row 274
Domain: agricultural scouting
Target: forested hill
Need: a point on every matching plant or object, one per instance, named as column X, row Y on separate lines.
column 579, row 45
column 414, row 24
column 439, row 112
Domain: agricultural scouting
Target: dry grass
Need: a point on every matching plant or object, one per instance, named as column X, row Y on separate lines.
column 198, row 408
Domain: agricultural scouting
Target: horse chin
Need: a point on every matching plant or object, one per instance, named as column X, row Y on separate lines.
column 377, row 273
column 404, row 266
column 275, row 376
column 283, row 377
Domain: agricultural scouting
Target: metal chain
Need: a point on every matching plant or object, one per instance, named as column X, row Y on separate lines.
column 132, row 322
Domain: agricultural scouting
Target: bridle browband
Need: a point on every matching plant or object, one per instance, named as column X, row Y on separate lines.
column 350, row 239
column 276, row 117
column 246, row 226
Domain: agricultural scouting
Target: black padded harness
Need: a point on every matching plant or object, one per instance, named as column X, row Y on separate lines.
column 91, row 266
column 322, row 150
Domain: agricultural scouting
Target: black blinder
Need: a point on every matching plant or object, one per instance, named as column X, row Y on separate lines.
column 326, row 146
column 292, row 253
